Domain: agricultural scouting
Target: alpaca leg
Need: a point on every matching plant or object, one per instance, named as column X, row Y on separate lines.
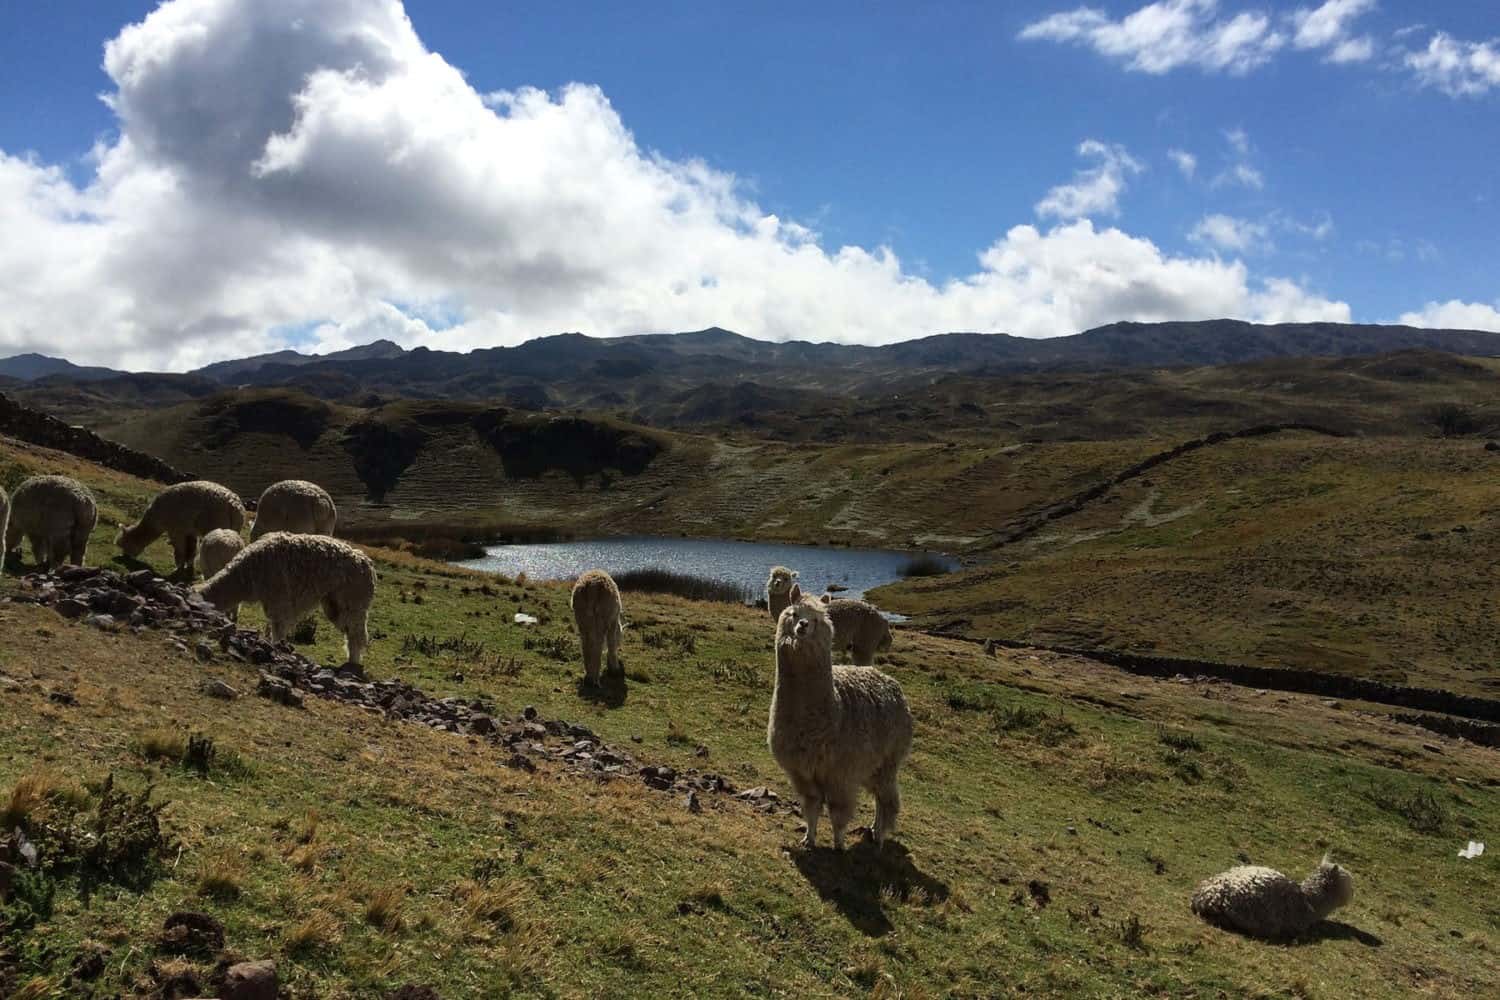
column 840, row 812
column 60, row 551
column 78, row 545
column 356, row 635
column 612, row 638
column 887, row 808
column 591, row 655
column 862, row 656
column 189, row 554
column 41, row 550
column 812, row 809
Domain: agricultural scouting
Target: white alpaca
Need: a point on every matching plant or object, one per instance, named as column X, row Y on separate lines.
column 216, row 549
column 859, row 629
column 290, row 575
column 597, row 612
column 1264, row 903
column 4, row 521
column 779, row 589
column 184, row 513
column 56, row 514
column 295, row 505
column 835, row 730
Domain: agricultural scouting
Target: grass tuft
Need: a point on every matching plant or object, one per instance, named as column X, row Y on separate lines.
column 656, row 580
column 383, row 908
column 318, row 931
column 220, row 873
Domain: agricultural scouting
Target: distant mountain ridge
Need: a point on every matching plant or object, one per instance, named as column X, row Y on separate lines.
column 572, row 369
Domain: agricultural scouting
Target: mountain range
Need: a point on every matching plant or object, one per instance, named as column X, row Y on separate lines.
column 698, row 369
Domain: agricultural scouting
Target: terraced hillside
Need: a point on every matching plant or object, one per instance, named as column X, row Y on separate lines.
column 1374, row 557
column 1057, row 814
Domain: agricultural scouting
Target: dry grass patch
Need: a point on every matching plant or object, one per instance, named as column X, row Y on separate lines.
column 220, row 873
column 318, row 931
column 383, row 908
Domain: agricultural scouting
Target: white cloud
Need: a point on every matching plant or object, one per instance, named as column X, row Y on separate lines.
column 1328, row 27
column 1239, row 140
column 1167, row 35
column 1186, row 162
column 1242, row 174
column 308, row 165
column 1095, row 190
column 1456, row 315
column 1456, row 67
column 1225, row 232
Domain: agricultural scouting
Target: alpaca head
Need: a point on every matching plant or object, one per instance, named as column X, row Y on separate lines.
column 885, row 637
column 780, row 580
column 1328, row 888
column 805, row 631
column 132, row 540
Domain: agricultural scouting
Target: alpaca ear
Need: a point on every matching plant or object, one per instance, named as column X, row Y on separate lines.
column 1327, row 858
column 796, row 594
column 825, row 598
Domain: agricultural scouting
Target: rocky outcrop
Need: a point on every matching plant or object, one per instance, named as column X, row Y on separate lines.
column 35, row 427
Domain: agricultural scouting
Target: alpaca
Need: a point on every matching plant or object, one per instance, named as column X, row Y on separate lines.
column 216, row 549
column 596, row 611
column 1264, row 903
column 859, row 627
column 290, row 575
column 294, row 505
column 778, row 589
column 55, row 514
column 834, row 730
column 184, row 513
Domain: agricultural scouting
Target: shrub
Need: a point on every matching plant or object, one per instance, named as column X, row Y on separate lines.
column 1453, row 419
column 561, row 648
column 1422, row 810
column 1178, row 739
column 656, row 580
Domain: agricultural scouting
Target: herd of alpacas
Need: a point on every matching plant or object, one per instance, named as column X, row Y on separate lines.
column 834, row 728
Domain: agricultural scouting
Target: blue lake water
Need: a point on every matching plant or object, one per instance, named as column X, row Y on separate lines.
column 745, row 563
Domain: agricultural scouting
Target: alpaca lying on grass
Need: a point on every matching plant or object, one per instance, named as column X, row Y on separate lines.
column 291, row 575
column 835, row 730
column 1264, row 903
column 55, row 514
column 294, row 505
column 216, row 549
column 184, row 513
column 779, row 589
column 597, row 611
column 858, row 629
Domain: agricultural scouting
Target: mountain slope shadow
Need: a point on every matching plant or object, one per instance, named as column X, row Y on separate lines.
column 863, row 880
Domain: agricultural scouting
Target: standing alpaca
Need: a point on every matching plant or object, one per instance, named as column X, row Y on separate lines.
column 596, row 611
column 294, row 505
column 55, row 514
column 291, row 575
column 779, row 589
column 858, row 629
column 1264, row 903
column 184, row 513
column 835, row 730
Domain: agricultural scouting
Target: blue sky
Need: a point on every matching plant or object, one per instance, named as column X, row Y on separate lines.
column 1352, row 159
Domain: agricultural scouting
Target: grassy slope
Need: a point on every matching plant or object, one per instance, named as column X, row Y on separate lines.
column 1373, row 556
column 613, row 890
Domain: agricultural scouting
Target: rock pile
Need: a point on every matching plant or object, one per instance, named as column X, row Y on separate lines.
column 142, row 602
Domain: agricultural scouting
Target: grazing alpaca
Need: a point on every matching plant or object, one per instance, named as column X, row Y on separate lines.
column 596, row 611
column 835, row 730
column 297, row 506
column 216, row 549
column 779, row 589
column 56, row 514
column 290, row 575
column 184, row 513
column 1264, row 903
column 858, row 629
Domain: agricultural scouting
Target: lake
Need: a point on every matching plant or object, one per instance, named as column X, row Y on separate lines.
column 746, row 563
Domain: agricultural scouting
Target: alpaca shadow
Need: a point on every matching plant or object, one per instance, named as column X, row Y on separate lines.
column 610, row 692
column 863, row 880
column 1337, row 930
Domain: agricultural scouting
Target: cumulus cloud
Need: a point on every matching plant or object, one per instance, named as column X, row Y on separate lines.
column 1329, row 27
column 1186, row 162
column 1095, row 190
column 1167, row 35
column 1456, row 315
column 306, row 171
column 1225, row 232
column 1456, row 67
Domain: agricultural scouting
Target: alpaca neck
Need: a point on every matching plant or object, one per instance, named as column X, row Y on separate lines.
column 1320, row 896
column 227, row 589
column 802, row 687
